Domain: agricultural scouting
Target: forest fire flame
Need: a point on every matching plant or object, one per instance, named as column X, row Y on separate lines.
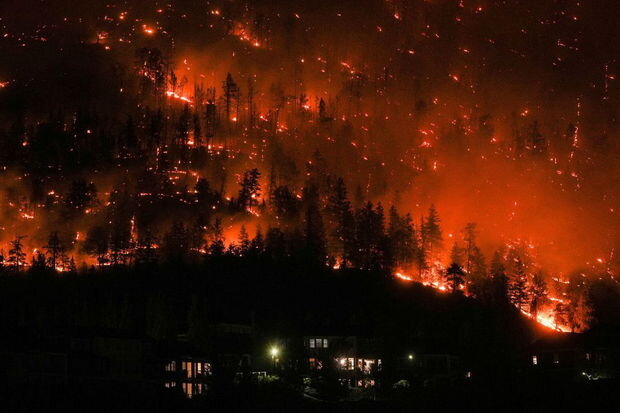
column 545, row 316
column 172, row 94
column 260, row 117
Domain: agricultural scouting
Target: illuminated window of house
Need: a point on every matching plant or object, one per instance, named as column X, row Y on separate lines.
column 171, row 366
column 588, row 356
column 187, row 389
column 312, row 363
column 534, row 360
column 318, row 343
column 347, row 363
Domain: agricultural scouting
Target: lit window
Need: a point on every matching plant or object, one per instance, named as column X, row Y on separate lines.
column 171, row 366
column 324, row 343
column 534, row 360
column 312, row 343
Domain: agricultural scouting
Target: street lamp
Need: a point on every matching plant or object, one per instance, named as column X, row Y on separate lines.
column 410, row 357
column 274, row 351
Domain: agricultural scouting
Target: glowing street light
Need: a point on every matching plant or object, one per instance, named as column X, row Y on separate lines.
column 274, row 351
column 410, row 356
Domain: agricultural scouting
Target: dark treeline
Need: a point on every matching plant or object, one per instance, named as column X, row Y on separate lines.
column 282, row 300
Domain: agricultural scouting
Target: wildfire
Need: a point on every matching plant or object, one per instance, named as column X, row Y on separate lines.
column 403, row 277
column 548, row 320
column 174, row 95
column 148, row 30
column 544, row 317
column 246, row 36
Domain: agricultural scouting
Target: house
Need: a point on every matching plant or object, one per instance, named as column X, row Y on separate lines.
column 593, row 355
column 186, row 368
column 357, row 359
column 189, row 367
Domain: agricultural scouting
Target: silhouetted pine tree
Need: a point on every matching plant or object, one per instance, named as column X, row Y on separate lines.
column 341, row 224
column 402, row 238
column 431, row 234
column 250, row 189
column 315, row 234
column 54, row 250
column 455, row 277
column 17, row 256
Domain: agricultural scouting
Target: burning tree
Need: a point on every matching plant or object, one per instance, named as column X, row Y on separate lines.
column 151, row 68
column 517, row 285
column 231, row 100
column 538, row 293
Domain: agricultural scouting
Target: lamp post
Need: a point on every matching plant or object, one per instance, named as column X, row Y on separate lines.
column 274, row 351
